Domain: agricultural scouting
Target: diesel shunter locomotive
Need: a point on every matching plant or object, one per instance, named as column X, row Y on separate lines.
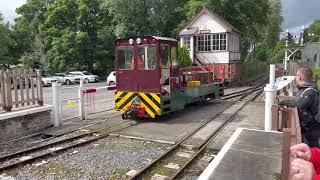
column 150, row 82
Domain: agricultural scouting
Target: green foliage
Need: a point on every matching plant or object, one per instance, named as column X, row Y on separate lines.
column 64, row 35
column 250, row 70
column 6, row 44
column 265, row 53
column 145, row 17
column 316, row 74
column 184, row 59
column 312, row 34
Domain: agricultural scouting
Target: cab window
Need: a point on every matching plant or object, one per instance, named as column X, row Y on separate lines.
column 174, row 57
column 146, row 58
column 165, row 55
column 125, row 54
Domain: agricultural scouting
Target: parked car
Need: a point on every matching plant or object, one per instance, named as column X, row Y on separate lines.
column 85, row 76
column 48, row 80
column 65, row 78
column 111, row 80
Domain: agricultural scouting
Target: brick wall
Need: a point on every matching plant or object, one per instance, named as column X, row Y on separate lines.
column 24, row 125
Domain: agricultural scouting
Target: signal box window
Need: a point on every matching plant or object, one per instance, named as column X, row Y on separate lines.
column 165, row 55
column 204, row 43
column 125, row 54
column 146, row 58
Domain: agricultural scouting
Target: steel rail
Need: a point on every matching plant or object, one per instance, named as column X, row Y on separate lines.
column 241, row 93
column 51, row 153
column 237, row 92
column 33, row 149
column 180, row 142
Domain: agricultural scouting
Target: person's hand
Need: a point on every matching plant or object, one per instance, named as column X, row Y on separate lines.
column 282, row 108
column 301, row 170
column 302, row 151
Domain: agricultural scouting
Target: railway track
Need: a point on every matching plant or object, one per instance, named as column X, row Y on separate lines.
column 243, row 92
column 177, row 163
column 44, row 137
column 29, row 155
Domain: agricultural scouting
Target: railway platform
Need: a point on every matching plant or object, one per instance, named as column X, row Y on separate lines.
column 248, row 154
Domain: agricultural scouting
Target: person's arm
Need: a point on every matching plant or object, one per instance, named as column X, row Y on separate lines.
column 300, row 101
column 315, row 157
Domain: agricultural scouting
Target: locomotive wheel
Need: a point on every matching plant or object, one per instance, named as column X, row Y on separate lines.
column 123, row 116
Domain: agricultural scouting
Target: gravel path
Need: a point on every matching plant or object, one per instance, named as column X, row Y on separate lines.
column 108, row 158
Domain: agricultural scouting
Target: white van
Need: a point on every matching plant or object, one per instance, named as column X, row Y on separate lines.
column 111, row 80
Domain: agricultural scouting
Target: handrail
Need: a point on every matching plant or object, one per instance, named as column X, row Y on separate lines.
column 290, row 126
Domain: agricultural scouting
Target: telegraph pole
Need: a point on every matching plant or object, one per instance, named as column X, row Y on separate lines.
column 286, row 51
column 290, row 51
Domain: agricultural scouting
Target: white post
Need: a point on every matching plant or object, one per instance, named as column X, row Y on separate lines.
column 270, row 93
column 181, row 41
column 302, row 40
column 81, row 101
column 192, row 48
column 272, row 77
column 286, row 53
column 56, row 104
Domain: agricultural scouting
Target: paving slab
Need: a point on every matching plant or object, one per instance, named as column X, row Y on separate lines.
column 198, row 138
column 176, row 125
column 249, row 154
column 251, row 116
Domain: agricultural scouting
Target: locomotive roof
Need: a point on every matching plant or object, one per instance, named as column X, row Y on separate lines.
column 164, row 38
column 155, row 37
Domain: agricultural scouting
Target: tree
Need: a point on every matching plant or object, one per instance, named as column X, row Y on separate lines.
column 59, row 33
column 313, row 32
column 145, row 17
column 6, row 43
column 184, row 59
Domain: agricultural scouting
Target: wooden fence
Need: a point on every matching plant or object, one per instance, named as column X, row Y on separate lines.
column 20, row 89
column 287, row 121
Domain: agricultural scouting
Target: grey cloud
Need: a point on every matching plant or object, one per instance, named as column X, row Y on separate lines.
column 300, row 12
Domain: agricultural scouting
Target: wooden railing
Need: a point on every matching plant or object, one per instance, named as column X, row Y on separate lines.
column 20, row 89
column 289, row 124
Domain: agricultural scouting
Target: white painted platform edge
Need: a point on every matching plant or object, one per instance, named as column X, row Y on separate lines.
column 24, row 112
column 215, row 162
column 260, row 130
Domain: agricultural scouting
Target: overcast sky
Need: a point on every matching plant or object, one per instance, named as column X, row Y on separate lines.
column 296, row 12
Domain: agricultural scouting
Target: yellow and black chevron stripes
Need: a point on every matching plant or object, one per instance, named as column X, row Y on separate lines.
column 150, row 101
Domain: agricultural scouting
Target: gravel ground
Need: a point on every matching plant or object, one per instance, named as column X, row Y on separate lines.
column 23, row 144
column 108, row 158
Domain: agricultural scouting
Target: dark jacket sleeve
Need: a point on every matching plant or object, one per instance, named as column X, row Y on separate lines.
column 302, row 100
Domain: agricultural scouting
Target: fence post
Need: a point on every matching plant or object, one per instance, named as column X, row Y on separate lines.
column 275, row 117
column 270, row 93
column 8, row 97
column 2, row 90
column 56, row 104
column 285, row 154
column 81, row 101
column 39, row 88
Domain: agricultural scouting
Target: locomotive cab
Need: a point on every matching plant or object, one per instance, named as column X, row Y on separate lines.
column 142, row 72
column 149, row 81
